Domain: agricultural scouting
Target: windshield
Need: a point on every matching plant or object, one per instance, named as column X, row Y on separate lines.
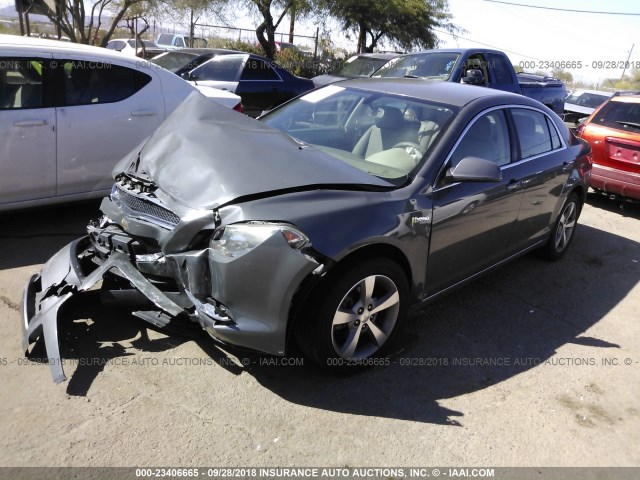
column 360, row 67
column 165, row 38
column 586, row 99
column 424, row 65
column 619, row 115
column 174, row 61
column 384, row 135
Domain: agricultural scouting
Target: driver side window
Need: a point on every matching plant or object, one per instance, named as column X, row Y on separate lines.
column 487, row 138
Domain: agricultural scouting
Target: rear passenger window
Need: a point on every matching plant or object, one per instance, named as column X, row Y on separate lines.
column 533, row 132
column 501, row 68
column 21, row 83
column 220, row 69
column 555, row 139
column 88, row 83
column 256, row 69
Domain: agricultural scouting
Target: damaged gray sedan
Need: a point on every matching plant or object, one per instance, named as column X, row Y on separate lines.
column 325, row 222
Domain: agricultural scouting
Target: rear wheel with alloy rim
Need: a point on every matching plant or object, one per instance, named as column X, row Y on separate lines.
column 358, row 312
column 564, row 229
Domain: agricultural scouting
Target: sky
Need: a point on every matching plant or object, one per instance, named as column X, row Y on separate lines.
column 596, row 44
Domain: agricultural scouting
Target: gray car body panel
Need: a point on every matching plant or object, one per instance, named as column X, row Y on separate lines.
column 342, row 210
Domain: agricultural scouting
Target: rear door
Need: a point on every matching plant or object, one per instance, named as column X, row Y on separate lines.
column 540, row 172
column 106, row 109
column 27, row 130
column 260, row 86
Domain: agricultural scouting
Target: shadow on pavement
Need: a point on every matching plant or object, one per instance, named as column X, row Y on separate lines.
column 31, row 237
column 621, row 207
column 485, row 333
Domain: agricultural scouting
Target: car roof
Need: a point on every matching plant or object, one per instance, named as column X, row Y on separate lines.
column 456, row 50
column 384, row 56
column 201, row 51
column 595, row 92
column 626, row 97
column 127, row 39
column 42, row 45
column 441, row 92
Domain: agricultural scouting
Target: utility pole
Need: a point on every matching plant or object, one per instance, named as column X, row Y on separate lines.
column 191, row 28
column 627, row 62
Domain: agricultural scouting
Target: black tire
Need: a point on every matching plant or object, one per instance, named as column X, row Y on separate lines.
column 339, row 332
column 564, row 229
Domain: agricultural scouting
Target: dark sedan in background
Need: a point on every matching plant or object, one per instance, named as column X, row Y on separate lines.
column 184, row 60
column 325, row 222
column 261, row 83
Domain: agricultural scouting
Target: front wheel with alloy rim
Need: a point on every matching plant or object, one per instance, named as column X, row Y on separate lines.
column 357, row 312
column 564, row 229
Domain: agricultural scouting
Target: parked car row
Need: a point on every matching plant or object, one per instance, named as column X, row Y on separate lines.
column 320, row 225
column 324, row 222
column 474, row 66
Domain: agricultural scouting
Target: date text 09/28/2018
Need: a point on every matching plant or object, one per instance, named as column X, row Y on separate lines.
column 577, row 64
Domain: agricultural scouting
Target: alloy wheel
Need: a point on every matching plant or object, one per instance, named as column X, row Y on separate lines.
column 566, row 226
column 365, row 317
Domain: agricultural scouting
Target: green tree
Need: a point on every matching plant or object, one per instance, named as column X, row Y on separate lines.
column 562, row 74
column 272, row 12
column 82, row 20
column 406, row 24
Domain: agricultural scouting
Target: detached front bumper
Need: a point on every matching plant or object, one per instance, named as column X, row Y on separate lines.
column 243, row 301
column 63, row 277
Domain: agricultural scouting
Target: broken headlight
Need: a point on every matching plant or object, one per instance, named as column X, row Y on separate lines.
column 239, row 239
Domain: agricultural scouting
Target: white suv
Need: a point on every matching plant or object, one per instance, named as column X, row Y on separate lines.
column 70, row 112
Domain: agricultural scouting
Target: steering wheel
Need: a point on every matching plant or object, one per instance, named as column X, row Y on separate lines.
column 413, row 149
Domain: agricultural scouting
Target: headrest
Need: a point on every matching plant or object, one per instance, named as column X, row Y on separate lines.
column 389, row 117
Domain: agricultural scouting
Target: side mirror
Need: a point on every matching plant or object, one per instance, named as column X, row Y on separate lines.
column 473, row 77
column 474, row 169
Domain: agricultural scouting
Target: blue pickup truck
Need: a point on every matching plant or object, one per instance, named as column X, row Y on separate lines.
column 490, row 68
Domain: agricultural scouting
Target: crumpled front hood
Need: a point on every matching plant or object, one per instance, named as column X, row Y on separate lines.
column 205, row 155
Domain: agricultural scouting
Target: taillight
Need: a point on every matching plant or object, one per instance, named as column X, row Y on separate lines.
column 580, row 129
column 239, row 107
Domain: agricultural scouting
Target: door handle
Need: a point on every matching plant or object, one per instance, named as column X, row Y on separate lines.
column 30, row 123
column 514, row 186
column 143, row 113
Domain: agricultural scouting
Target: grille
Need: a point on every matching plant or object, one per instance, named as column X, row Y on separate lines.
column 147, row 208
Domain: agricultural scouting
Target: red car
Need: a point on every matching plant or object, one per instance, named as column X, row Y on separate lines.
column 613, row 131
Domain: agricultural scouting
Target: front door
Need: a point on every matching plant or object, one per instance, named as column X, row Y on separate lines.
column 472, row 221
